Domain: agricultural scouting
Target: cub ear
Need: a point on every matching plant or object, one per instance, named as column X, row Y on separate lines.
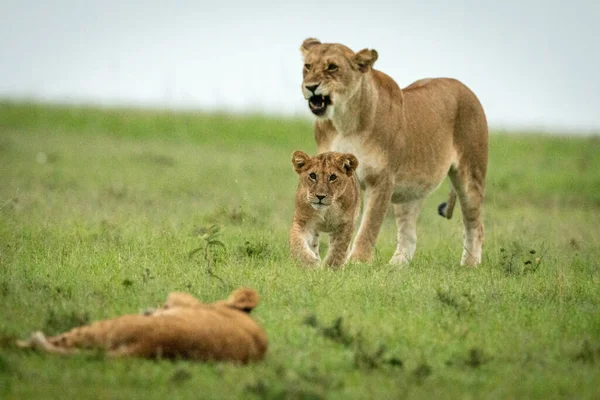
column 243, row 299
column 349, row 163
column 300, row 160
column 365, row 59
column 307, row 44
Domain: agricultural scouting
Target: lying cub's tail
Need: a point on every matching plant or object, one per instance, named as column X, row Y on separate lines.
column 446, row 209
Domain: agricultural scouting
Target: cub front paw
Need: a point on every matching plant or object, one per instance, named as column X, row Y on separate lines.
column 307, row 260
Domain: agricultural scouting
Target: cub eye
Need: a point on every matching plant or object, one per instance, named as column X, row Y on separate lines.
column 307, row 67
column 332, row 67
column 332, row 177
column 313, row 176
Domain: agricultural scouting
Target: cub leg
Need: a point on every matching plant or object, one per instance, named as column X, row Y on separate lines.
column 303, row 243
column 406, row 219
column 377, row 200
column 339, row 246
column 39, row 341
column 179, row 299
column 314, row 244
column 469, row 188
column 135, row 349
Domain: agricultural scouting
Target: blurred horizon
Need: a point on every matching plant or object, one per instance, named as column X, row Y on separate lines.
column 533, row 64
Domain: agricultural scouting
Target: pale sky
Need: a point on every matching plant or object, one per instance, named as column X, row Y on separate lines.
column 533, row 64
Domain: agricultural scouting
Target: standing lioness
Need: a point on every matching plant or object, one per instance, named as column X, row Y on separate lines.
column 407, row 141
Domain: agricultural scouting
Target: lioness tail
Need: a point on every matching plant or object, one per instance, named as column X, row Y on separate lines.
column 447, row 208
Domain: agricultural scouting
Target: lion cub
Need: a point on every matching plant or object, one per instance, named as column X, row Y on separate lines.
column 183, row 328
column 327, row 200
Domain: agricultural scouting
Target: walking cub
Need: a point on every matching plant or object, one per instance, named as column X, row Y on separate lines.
column 327, row 200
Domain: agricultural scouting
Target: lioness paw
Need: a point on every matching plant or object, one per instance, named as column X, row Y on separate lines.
column 399, row 260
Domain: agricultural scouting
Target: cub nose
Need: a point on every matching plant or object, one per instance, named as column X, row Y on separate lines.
column 321, row 197
column 312, row 88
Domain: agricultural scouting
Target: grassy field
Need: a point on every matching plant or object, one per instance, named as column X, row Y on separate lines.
column 100, row 208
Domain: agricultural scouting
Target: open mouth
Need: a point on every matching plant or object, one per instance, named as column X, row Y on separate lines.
column 318, row 104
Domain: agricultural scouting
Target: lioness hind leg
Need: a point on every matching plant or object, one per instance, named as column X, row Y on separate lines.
column 406, row 220
column 470, row 194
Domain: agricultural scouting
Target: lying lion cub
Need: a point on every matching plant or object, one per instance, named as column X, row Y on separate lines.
column 327, row 200
column 182, row 328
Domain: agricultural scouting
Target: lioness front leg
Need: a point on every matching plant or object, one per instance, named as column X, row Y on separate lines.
column 339, row 246
column 302, row 243
column 377, row 201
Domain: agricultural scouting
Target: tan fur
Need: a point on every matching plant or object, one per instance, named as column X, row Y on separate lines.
column 407, row 141
column 183, row 328
column 327, row 200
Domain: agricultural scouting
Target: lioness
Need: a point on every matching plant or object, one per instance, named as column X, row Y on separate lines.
column 182, row 328
column 407, row 141
column 327, row 200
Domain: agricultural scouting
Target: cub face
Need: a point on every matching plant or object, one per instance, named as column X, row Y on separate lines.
column 332, row 74
column 323, row 178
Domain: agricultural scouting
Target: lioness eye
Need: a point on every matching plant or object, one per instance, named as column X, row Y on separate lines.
column 307, row 67
column 313, row 176
column 333, row 177
column 332, row 67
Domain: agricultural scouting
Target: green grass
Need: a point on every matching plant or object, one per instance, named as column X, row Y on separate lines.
column 99, row 209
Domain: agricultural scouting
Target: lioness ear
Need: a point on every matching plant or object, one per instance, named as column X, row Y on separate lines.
column 365, row 59
column 243, row 299
column 300, row 160
column 349, row 163
column 307, row 44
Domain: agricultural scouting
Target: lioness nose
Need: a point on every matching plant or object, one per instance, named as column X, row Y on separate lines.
column 321, row 197
column 312, row 88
